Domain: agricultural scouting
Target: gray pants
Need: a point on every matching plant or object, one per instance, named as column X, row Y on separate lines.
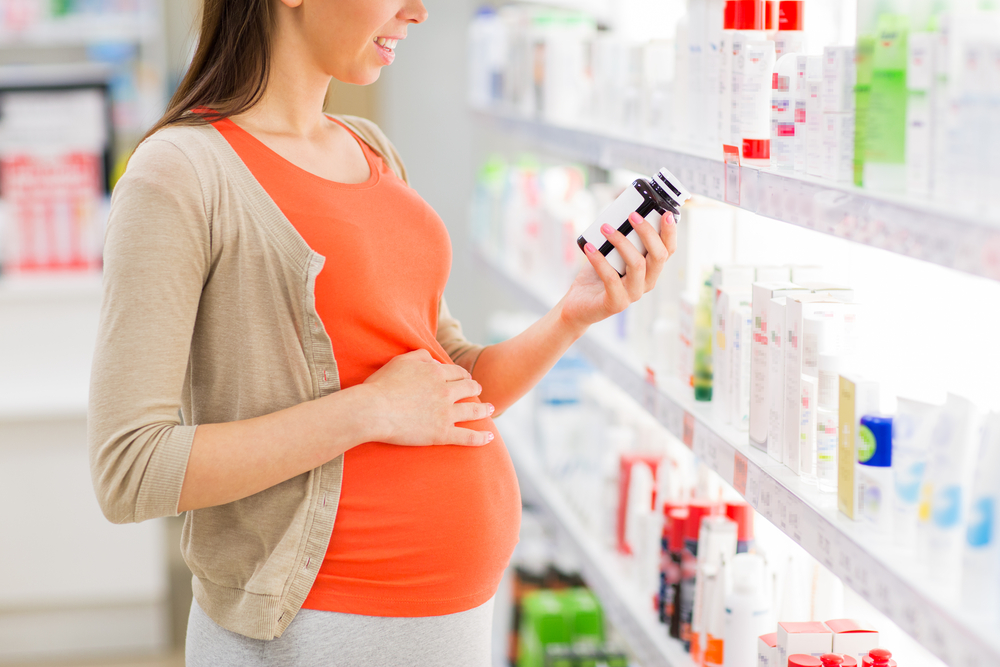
column 331, row 639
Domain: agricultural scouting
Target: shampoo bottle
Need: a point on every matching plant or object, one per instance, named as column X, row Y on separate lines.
column 875, row 488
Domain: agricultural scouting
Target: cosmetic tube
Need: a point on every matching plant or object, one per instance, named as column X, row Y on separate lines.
column 981, row 562
column 912, row 430
column 783, row 112
column 749, row 27
column 950, row 472
column 808, row 451
column 875, row 488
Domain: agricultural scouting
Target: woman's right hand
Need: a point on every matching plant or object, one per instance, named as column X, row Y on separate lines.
column 416, row 402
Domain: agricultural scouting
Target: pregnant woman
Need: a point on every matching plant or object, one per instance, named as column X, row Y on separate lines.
column 276, row 359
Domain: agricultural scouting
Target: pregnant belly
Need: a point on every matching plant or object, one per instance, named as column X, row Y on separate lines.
column 420, row 531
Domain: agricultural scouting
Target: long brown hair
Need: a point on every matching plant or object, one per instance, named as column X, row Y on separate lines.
column 230, row 67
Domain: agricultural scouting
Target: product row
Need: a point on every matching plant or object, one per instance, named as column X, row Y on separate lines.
column 720, row 581
column 895, row 96
column 20, row 15
column 821, row 380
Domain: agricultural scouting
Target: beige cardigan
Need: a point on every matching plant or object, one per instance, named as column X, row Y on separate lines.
column 209, row 312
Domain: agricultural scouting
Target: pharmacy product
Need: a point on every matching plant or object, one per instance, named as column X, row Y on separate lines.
column 857, row 397
column 919, row 82
column 715, row 616
column 878, row 657
column 749, row 27
column 838, row 147
column 808, row 457
column 730, row 291
column 827, row 447
column 783, row 112
column 670, row 575
column 981, row 563
column 829, row 381
column 703, row 343
column 853, row 638
column 791, row 35
column 812, row 638
column 806, row 68
column 814, row 307
column 885, row 139
column 697, row 511
column 747, row 612
column 838, row 79
column 651, row 199
column 776, row 379
column 767, row 650
column 814, row 127
column 742, row 514
column 912, row 431
column 875, row 482
column 759, row 396
column 716, row 543
column 950, row 473
column 685, row 339
column 741, row 319
column 636, row 485
column 726, row 71
column 755, row 107
column 864, row 50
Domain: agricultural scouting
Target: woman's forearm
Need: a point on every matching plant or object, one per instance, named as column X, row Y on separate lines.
column 237, row 459
column 508, row 370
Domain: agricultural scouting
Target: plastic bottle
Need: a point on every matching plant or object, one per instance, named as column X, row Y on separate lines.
column 826, row 448
column 703, row 343
column 747, row 611
column 791, row 35
column 670, row 579
column 878, row 657
column 808, row 452
column 748, row 27
column 885, row 141
column 807, row 69
column 697, row 510
column 755, row 108
column 875, row 488
column 742, row 514
column 726, row 71
column 715, row 615
column 981, row 562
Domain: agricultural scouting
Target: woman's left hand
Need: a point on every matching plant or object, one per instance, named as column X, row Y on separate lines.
column 599, row 292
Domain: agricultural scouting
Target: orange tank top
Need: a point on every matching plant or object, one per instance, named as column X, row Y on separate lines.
column 420, row 531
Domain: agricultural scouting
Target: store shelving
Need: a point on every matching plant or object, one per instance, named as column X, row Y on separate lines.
column 930, row 231
column 891, row 579
column 632, row 616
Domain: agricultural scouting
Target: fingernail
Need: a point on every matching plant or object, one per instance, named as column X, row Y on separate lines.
column 635, row 219
column 492, row 409
column 673, row 220
column 489, row 436
column 606, row 230
column 589, row 248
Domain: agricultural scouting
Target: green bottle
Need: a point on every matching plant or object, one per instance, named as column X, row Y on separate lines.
column 885, row 139
column 703, row 344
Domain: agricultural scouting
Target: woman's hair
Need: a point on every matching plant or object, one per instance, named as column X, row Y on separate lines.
column 230, row 67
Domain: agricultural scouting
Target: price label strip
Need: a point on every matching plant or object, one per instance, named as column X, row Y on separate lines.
column 740, row 464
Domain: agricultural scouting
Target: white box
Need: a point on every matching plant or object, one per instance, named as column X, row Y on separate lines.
column 740, row 325
column 767, row 650
column 726, row 299
column 685, row 340
column 852, row 637
column 858, row 397
column 776, row 379
column 797, row 308
column 838, row 147
column 813, row 639
column 838, row 79
column 759, row 399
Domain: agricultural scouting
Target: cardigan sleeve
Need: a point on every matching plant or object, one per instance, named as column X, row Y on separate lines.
column 157, row 257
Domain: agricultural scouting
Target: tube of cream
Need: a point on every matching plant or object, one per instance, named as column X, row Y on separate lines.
column 755, row 107
column 912, row 430
column 981, row 562
column 949, row 477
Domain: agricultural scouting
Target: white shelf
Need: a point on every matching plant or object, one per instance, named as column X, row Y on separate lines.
column 623, row 606
column 929, row 231
column 891, row 579
column 82, row 30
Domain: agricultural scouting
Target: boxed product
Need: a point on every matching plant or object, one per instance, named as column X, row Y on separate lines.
column 740, row 327
column 767, row 650
column 759, row 397
column 813, row 638
column 776, row 379
column 858, row 397
column 853, row 637
column 731, row 289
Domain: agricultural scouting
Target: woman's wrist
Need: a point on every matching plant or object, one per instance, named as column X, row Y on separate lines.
column 569, row 325
column 366, row 406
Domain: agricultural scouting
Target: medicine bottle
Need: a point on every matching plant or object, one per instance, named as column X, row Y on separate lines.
column 650, row 198
column 878, row 657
